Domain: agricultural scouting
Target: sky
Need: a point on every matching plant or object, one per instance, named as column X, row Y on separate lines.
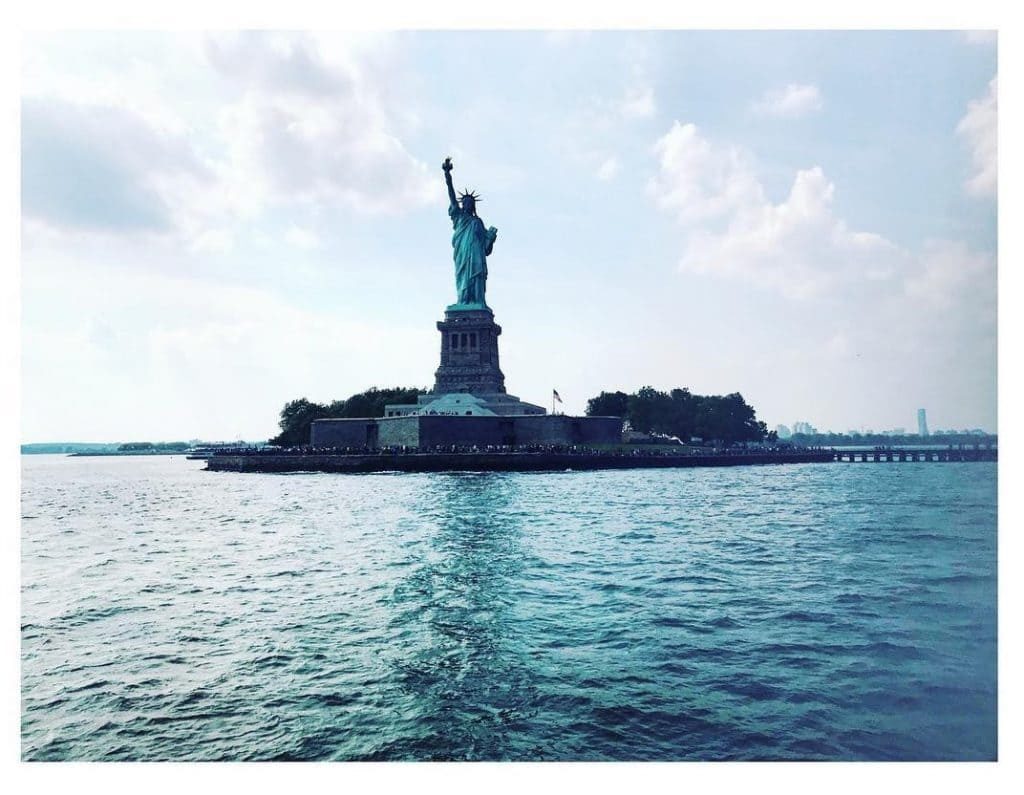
column 215, row 224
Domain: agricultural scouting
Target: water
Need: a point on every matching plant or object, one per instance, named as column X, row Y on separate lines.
column 838, row 611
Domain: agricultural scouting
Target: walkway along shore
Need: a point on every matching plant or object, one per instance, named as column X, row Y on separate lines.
column 559, row 461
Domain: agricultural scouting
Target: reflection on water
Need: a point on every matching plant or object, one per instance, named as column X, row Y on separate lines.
column 459, row 666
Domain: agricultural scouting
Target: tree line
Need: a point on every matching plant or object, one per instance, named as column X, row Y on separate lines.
column 297, row 415
column 683, row 414
column 680, row 413
column 135, row 447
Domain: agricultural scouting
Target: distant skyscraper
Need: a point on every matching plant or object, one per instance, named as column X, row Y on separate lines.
column 922, row 423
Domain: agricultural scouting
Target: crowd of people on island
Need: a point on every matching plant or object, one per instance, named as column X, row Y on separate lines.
column 540, row 449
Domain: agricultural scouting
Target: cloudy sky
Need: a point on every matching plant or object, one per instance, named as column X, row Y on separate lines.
column 215, row 224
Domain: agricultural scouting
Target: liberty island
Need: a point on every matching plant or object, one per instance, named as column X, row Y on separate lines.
column 468, row 421
column 468, row 406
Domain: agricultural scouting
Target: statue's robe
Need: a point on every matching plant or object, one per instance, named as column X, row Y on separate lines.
column 472, row 244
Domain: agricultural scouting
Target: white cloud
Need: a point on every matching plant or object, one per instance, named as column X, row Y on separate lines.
column 302, row 238
column 310, row 130
column 152, row 75
column 979, row 128
column 698, row 181
column 218, row 241
column 948, row 273
column 791, row 101
column 638, row 102
column 864, row 315
column 608, row 169
column 104, row 168
column 798, row 246
column 281, row 124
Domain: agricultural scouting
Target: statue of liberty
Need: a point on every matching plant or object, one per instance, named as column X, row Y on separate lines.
column 472, row 243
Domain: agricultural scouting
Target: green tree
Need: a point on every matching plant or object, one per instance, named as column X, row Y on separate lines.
column 296, row 418
column 129, row 447
column 648, row 410
column 728, row 419
column 371, row 403
column 609, row 404
column 297, row 415
column 680, row 413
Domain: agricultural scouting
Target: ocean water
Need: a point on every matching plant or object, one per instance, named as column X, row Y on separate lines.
column 837, row 611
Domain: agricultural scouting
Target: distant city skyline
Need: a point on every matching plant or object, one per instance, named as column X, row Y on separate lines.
column 800, row 426
column 215, row 224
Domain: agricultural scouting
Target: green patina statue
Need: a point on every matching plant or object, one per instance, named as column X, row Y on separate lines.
column 472, row 243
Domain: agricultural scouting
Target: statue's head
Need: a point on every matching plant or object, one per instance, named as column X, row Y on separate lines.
column 469, row 201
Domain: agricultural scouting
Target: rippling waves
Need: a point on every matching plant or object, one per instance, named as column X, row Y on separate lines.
column 792, row 612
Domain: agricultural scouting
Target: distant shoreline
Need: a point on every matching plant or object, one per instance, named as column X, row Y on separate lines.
column 124, row 448
column 127, row 452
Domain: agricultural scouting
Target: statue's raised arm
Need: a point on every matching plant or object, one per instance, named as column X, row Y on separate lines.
column 446, row 166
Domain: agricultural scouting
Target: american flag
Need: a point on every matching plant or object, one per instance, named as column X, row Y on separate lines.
column 555, row 395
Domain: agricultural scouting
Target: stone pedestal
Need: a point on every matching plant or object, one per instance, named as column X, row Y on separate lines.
column 469, row 352
column 469, row 382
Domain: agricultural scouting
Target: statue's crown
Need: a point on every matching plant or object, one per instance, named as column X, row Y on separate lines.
column 470, row 194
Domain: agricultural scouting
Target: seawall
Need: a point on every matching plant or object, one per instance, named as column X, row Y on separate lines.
column 495, row 462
